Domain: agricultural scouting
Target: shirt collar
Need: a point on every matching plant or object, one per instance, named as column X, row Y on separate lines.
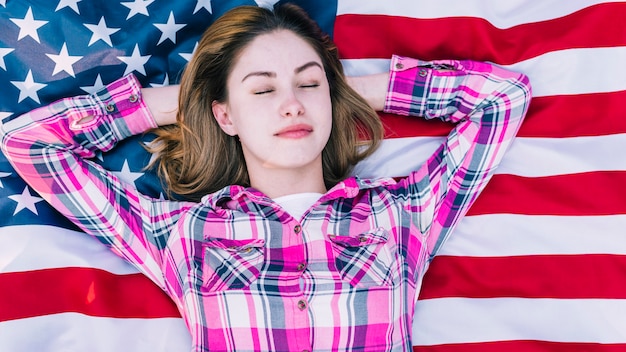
column 237, row 197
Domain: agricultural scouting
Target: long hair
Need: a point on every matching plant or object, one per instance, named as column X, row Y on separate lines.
column 195, row 157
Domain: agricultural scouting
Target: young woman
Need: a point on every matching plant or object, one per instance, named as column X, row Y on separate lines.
column 275, row 247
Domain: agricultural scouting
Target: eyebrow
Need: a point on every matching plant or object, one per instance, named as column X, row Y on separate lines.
column 273, row 74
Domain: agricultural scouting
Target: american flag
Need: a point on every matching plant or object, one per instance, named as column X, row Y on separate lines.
column 539, row 263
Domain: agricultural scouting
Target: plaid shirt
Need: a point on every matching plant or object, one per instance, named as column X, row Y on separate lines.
column 246, row 275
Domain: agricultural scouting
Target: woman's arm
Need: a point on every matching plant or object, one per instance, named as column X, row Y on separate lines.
column 49, row 148
column 486, row 103
column 371, row 87
column 162, row 102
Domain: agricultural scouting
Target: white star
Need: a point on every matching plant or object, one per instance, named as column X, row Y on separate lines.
column 28, row 26
column 187, row 56
column 25, row 201
column 169, row 29
column 135, row 62
column 126, row 175
column 4, row 52
column 63, row 61
column 72, row 4
column 268, row 4
column 97, row 85
column 100, row 31
column 203, row 4
column 3, row 3
column 4, row 114
column 2, row 175
column 166, row 82
column 137, row 7
column 28, row 88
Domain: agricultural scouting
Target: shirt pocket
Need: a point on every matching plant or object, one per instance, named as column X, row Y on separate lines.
column 364, row 260
column 231, row 264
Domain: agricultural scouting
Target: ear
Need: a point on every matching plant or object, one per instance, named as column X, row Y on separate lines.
column 222, row 116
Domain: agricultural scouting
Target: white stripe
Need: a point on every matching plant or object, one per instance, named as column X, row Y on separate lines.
column 564, row 72
column 32, row 247
column 397, row 157
column 498, row 235
column 78, row 332
column 502, row 14
column 576, row 71
column 528, row 157
column 535, row 157
column 462, row 320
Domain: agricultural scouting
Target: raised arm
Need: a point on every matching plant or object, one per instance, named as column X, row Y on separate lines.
column 487, row 104
column 49, row 148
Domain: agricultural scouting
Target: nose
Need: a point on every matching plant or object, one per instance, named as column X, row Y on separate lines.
column 291, row 106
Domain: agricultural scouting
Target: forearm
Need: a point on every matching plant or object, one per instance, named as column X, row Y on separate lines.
column 162, row 102
column 371, row 87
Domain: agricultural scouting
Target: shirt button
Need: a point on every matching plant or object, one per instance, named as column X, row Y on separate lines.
column 423, row 73
column 110, row 107
column 301, row 266
column 399, row 66
column 297, row 229
column 302, row 304
column 133, row 98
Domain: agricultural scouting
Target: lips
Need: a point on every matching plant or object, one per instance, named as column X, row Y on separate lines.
column 295, row 131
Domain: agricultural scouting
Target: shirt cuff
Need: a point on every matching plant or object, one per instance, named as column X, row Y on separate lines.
column 120, row 105
column 408, row 80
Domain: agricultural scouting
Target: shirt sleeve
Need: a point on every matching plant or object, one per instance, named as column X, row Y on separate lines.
column 486, row 103
column 49, row 148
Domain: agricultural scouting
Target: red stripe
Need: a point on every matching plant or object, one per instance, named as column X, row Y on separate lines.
column 582, row 194
column 585, row 276
column 575, row 115
column 380, row 36
column 550, row 117
column 522, row 346
column 89, row 291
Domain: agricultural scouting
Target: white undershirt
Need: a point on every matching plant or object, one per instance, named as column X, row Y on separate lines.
column 297, row 204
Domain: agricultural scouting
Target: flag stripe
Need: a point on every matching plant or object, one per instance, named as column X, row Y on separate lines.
column 527, row 157
column 501, row 235
column 527, row 276
column 55, row 247
column 79, row 332
column 501, row 14
column 564, row 72
column 88, row 291
column 549, row 117
column 505, row 319
column 523, row 195
column 387, row 35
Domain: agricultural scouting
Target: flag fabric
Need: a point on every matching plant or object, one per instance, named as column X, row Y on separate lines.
column 539, row 263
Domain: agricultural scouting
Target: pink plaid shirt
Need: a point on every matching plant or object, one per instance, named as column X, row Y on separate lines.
column 245, row 274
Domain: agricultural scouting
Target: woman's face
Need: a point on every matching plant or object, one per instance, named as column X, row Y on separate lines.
column 278, row 104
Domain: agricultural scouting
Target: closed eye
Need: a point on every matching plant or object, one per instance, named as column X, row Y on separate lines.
column 313, row 85
column 264, row 91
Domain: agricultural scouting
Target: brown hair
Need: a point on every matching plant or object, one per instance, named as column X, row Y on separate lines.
column 195, row 157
